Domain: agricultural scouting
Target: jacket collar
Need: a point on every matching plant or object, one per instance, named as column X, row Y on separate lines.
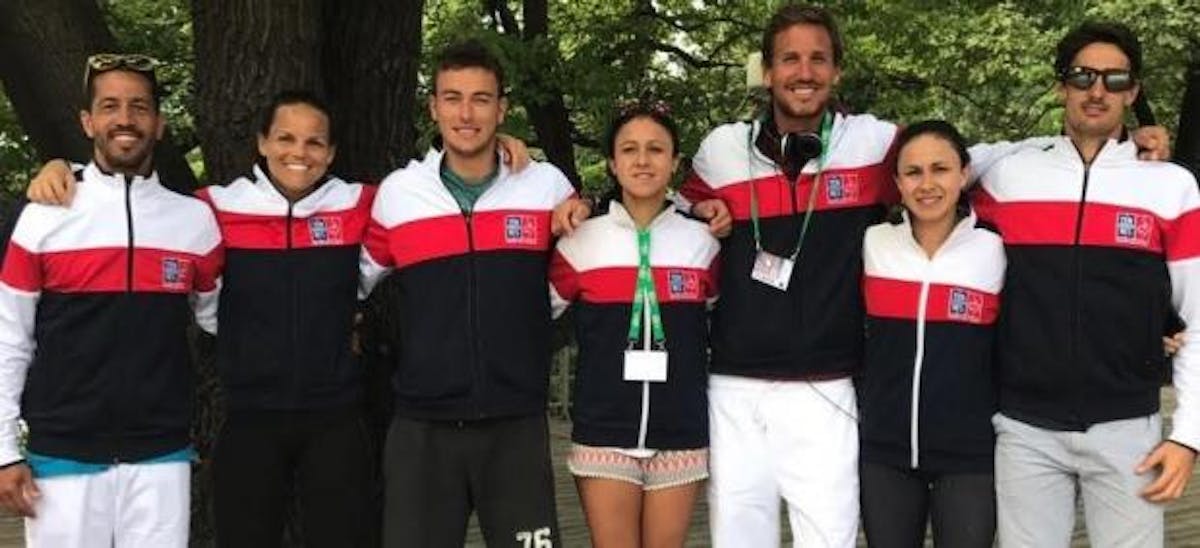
column 432, row 165
column 961, row 229
column 619, row 216
column 94, row 172
column 1113, row 151
column 263, row 182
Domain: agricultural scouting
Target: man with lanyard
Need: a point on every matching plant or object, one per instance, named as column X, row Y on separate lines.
column 468, row 241
column 1101, row 247
column 802, row 184
column 94, row 307
column 787, row 331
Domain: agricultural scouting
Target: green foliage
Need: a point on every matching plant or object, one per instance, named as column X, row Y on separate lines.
column 163, row 29
column 17, row 156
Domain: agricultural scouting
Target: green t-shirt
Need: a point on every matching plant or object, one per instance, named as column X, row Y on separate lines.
column 466, row 193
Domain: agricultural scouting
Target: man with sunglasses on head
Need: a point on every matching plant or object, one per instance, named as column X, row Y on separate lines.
column 95, row 301
column 1101, row 246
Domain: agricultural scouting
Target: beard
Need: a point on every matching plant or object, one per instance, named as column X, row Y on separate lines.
column 133, row 158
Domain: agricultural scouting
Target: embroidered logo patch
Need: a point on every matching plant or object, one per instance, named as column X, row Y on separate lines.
column 965, row 305
column 683, row 285
column 1134, row 228
column 175, row 272
column 521, row 229
column 325, row 230
column 840, row 189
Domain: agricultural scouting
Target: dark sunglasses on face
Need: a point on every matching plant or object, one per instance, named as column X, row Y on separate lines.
column 1082, row 78
column 103, row 62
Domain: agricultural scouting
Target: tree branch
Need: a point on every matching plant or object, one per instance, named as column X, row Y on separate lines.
column 692, row 60
column 502, row 15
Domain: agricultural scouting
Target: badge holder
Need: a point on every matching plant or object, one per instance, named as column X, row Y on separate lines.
column 772, row 270
column 648, row 364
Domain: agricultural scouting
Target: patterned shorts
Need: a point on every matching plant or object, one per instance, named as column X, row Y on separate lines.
column 660, row 470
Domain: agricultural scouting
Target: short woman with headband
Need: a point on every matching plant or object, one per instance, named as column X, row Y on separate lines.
column 932, row 282
column 640, row 277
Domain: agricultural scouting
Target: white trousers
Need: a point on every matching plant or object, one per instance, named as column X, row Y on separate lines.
column 126, row 506
column 794, row 439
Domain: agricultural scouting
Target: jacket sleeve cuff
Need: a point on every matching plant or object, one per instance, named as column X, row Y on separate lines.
column 1186, row 435
column 10, row 451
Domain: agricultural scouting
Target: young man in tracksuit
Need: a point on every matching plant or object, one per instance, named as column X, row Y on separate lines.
column 468, row 241
column 94, row 306
column 1100, row 247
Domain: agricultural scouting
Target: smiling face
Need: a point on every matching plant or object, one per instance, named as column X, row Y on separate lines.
column 1096, row 112
column 123, row 122
column 468, row 109
column 643, row 158
column 801, row 76
column 930, row 176
column 297, row 148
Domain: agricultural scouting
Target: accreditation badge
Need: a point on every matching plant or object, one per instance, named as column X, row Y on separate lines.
column 646, row 365
column 772, row 270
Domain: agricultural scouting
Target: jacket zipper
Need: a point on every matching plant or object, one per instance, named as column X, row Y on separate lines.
column 473, row 314
column 1077, row 271
column 129, row 252
column 644, row 423
column 129, row 228
column 918, row 362
column 291, row 278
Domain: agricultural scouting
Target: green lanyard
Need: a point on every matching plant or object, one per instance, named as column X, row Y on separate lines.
column 826, row 130
column 645, row 298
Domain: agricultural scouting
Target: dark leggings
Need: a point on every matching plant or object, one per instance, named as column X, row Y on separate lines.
column 897, row 503
column 322, row 457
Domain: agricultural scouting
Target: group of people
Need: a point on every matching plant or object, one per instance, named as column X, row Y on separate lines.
column 859, row 319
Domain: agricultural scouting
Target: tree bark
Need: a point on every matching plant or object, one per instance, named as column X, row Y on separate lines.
column 372, row 55
column 45, row 45
column 543, row 100
column 1187, row 149
column 548, row 111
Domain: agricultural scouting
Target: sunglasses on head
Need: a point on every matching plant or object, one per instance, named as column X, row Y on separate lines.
column 1082, row 78
column 103, row 62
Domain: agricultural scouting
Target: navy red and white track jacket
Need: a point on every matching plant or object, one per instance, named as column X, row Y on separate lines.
column 927, row 393
column 474, row 312
column 596, row 269
column 1096, row 256
column 94, row 306
column 815, row 328
column 289, row 292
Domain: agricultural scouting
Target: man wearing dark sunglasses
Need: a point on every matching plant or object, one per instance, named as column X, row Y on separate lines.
column 1101, row 247
column 94, row 310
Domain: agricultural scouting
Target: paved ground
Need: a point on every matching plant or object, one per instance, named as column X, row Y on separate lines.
column 1183, row 517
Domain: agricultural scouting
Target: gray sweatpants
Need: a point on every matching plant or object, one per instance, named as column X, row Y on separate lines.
column 1039, row 470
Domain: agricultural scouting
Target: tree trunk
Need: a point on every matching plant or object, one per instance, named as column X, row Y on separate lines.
column 45, row 45
column 547, row 111
column 1187, row 150
column 372, row 55
column 246, row 52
